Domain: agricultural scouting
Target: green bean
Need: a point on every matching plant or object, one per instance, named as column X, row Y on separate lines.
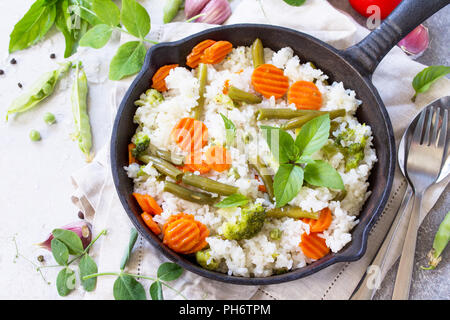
column 163, row 166
column 300, row 121
column 340, row 196
column 260, row 167
column 286, row 113
column 440, row 241
column 79, row 109
column 257, row 53
column 203, row 79
column 209, row 185
column 40, row 90
column 292, row 212
column 166, row 155
column 189, row 195
column 171, row 9
column 238, row 95
column 35, row 135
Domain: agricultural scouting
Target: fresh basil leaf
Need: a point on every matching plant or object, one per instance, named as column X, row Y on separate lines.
column 107, row 12
column 230, row 130
column 313, row 135
column 83, row 9
column 235, row 200
column 305, row 159
column 281, row 144
column 60, row 252
column 169, row 271
column 322, row 174
column 87, row 267
column 62, row 16
column 424, row 79
column 128, row 288
column 97, row 37
column 156, row 291
column 33, row 26
column 131, row 242
column 65, row 281
column 135, row 18
column 128, row 60
column 295, row 3
column 70, row 239
column 287, row 183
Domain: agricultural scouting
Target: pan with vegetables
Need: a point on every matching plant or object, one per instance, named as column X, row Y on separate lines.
column 182, row 155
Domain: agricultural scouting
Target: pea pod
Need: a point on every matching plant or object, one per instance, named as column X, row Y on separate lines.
column 238, row 95
column 257, row 53
column 292, row 212
column 441, row 240
column 40, row 90
column 202, row 78
column 80, row 114
column 171, row 9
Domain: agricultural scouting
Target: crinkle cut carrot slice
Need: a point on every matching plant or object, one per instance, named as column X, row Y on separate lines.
column 194, row 58
column 218, row 158
column 195, row 163
column 191, row 135
column 313, row 246
column 270, row 81
column 182, row 235
column 305, row 95
column 147, row 203
column 159, row 78
column 322, row 223
column 217, row 52
column 151, row 224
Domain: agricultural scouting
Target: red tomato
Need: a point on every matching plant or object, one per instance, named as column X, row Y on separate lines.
column 386, row 6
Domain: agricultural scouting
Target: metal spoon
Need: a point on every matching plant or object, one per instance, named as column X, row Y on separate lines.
column 370, row 285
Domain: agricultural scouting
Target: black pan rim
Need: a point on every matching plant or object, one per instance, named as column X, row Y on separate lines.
column 359, row 246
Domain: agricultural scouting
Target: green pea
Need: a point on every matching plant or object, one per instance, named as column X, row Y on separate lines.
column 49, row 118
column 35, row 135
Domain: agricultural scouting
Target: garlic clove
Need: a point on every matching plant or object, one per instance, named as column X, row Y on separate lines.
column 416, row 42
column 215, row 12
column 82, row 228
column 193, row 7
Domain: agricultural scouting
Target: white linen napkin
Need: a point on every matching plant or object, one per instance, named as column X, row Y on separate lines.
column 96, row 196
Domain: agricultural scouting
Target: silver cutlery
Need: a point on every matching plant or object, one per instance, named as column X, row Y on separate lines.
column 424, row 161
column 367, row 289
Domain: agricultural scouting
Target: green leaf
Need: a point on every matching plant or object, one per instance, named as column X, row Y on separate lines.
column 128, row 288
column 83, row 9
column 97, row 37
column 169, row 271
column 61, row 24
column 87, row 267
column 305, row 159
column 70, row 239
column 287, row 183
column 230, row 130
column 313, row 135
column 65, row 281
column 135, row 18
column 107, row 12
column 295, row 3
column 129, row 248
column 281, row 144
column 235, row 200
column 156, row 291
column 128, row 60
column 322, row 174
column 33, row 26
column 60, row 252
column 424, row 79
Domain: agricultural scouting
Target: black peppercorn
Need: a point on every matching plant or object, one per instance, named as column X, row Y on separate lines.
column 2, row 72
column 13, row 61
column 20, row 85
column 80, row 215
column 52, row 56
column 41, row 258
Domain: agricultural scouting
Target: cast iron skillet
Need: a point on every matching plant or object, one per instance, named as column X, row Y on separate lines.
column 353, row 67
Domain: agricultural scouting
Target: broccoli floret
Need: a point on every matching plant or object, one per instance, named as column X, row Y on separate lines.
column 354, row 152
column 142, row 141
column 250, row 223
column 204, row 259
column 152, row 97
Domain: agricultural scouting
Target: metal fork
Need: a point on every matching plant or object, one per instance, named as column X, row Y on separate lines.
column 423, row 164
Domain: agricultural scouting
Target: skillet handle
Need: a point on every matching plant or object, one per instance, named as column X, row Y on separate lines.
column 367, row 54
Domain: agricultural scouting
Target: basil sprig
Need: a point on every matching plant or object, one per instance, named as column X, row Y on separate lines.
column 296, row 164
column 424, row 79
